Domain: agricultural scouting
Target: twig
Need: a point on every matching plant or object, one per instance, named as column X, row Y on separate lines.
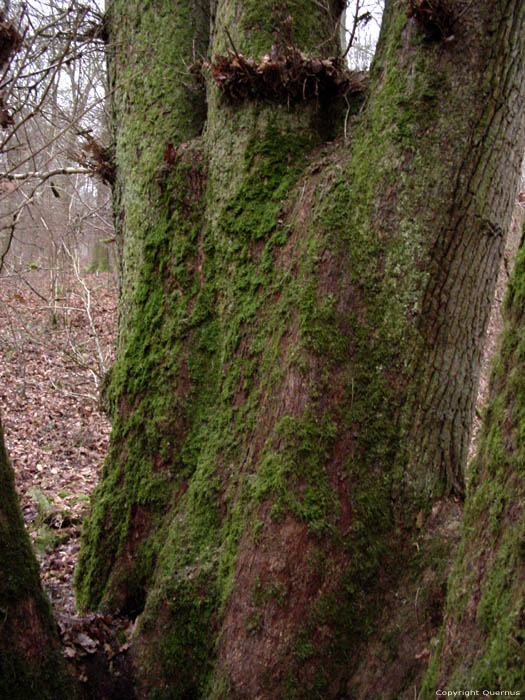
column 43, row 176
column 366, row 17
column 87, row 309
column 462, row 12
column 30, row 286
column 346, row 118
column 9, row 240
column 233, row 45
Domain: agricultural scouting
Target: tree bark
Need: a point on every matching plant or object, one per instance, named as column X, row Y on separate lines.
column 482, row 638
column 304, row 296
column 30, row 661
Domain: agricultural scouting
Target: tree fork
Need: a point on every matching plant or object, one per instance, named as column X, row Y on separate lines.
column 299, row 347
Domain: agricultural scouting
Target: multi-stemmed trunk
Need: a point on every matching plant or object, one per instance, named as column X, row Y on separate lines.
column 305, row 285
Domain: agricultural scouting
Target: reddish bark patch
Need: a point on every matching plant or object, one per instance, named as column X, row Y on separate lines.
column 29, row 636
column 398, row 652
column 276, row 584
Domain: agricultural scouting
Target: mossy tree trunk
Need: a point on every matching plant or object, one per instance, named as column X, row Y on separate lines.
column 483, row 637
column 31, row 664
column 304, row 292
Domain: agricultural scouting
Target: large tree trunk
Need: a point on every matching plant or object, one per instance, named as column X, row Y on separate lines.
column 305, row 288
column 484, row 632
column 31, row 665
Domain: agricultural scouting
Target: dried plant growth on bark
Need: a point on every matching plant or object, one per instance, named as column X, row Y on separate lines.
column 96, row 159
column 435, row 17
column 285, row 77
column 10, row 39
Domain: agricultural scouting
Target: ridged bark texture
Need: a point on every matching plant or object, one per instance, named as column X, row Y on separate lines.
column 30, row 661
column 482, row 642
column 300, row 340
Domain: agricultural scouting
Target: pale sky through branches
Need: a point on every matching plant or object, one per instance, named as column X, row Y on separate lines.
column 366, row 32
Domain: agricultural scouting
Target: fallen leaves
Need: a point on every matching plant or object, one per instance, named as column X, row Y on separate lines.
column 88, row 634
column 55, row 434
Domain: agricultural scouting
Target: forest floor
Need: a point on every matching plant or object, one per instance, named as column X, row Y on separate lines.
column 56, row 342
column 55, row 348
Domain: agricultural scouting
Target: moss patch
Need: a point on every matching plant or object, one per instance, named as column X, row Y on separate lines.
column 30, row 661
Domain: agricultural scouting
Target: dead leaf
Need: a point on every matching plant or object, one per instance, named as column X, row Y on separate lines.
column 86, row 643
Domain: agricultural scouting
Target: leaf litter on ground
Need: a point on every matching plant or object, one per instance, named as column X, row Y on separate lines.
column 53, row 358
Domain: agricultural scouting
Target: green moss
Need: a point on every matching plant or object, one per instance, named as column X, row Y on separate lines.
column 272, row 165
column 263, row 593
column 303, row 648
column 188, row 600
column 47, row 679
column 260, row 25
column 491, row 554
column 30, row 661
column 304, row 445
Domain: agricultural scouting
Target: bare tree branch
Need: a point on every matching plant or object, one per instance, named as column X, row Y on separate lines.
column 38, row 175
